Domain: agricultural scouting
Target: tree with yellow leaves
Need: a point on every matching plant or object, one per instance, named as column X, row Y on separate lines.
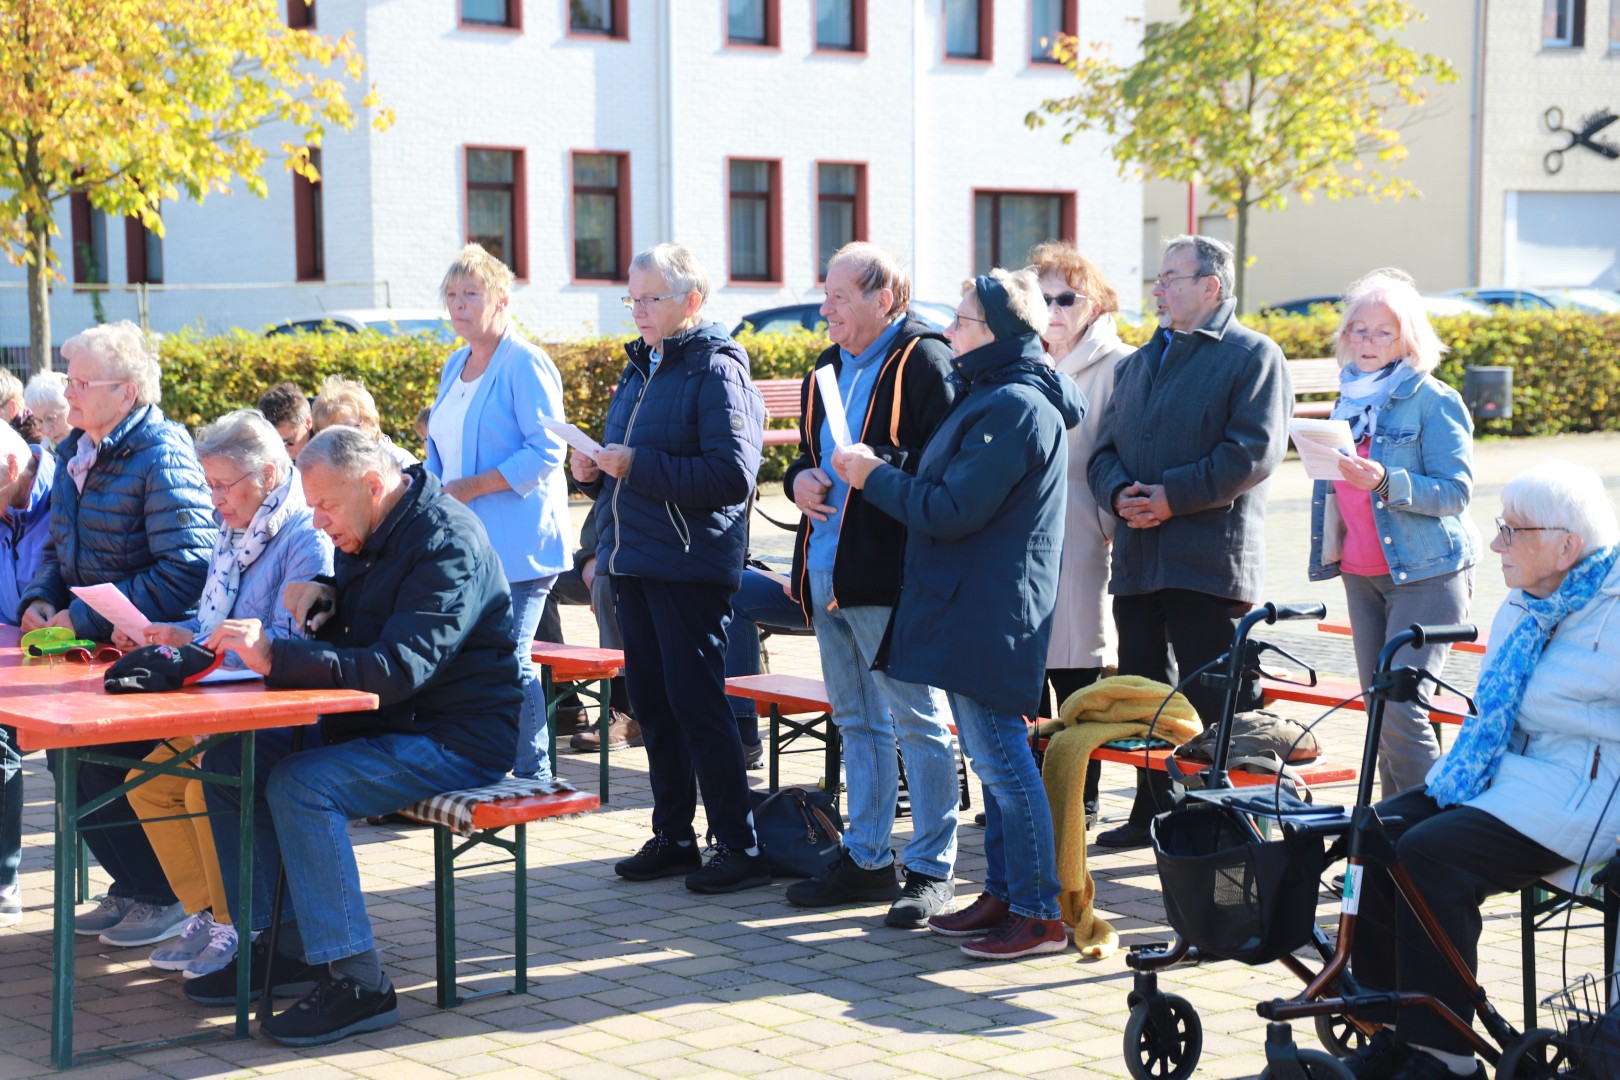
column 1257, row 100
column 132, row 102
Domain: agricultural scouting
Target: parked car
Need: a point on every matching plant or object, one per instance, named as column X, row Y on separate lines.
column 1436, row 306
column 389, row 322
column 780, row 320
column 1585, row 298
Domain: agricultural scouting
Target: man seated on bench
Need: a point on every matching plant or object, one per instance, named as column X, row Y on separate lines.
column 419, row 614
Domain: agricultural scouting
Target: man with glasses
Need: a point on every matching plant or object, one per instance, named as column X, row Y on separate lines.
column 1197, row 423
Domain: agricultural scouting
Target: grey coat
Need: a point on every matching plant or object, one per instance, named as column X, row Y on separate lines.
column 1211, row 426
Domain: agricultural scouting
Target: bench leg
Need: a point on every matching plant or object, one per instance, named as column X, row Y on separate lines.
column 444, row 914
column 520, row 909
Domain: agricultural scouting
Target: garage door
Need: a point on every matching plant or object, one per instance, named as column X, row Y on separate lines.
column 1562, row 238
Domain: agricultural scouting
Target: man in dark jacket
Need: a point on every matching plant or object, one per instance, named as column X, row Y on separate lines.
column 419, row 614
column 672, row 483
column 894, row 385
column 1197, row 423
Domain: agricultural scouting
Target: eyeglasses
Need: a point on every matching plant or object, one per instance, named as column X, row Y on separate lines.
column 1504, row 531
column 645, row 302
column 1380, row 338
column 81, row 385
column 55, row 643
column 1063, row 299
column 219, row 491
column 1166, row 280
column 960, row 319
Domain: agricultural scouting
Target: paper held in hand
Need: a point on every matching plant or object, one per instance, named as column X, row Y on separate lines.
column 115, row 607
column 1320, row 444
column 827, row 383
column 571, row 435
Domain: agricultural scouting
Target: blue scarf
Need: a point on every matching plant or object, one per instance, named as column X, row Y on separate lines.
column 1363, row 393
column 1467, row 770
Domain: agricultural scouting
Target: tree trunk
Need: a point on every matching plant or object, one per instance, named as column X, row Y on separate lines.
column 39, row 297
column 1240, row 256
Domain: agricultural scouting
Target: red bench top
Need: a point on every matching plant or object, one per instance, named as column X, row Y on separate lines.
column 1343, row 629
column 492, row 815
column 1445, row 708
column 575, row 663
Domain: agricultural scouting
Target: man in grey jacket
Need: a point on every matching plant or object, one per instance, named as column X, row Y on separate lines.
column 1197, row 423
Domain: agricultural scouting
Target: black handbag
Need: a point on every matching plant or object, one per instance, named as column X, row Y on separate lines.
column 799, row 831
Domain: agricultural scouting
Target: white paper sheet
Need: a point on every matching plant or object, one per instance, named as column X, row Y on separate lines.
column 225, row 674
column 572, row 436
column 115, row 607
column 1320, row 444
column 827, row 383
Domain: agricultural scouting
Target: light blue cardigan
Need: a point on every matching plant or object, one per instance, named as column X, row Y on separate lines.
column 527, row 525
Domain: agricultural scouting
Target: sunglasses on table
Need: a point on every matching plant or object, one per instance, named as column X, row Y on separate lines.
column 59, row 642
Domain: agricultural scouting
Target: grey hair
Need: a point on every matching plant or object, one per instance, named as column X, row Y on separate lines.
column 1394, row 289
column 1024, row 298
column 677, row 265
column 245, row 437
column 1563, row 495
column 127, row 355
column 1215, row 259
column 875, row 268
column 46, row 388
column 349, row 451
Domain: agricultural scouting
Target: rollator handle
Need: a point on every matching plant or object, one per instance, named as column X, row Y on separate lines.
column 1280, row 612
column 1443, row 635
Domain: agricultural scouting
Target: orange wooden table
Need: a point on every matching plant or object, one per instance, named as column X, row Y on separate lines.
column 588, row 672
column 61, row 706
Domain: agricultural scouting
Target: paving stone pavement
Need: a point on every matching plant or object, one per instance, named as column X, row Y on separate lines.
column 648, row 980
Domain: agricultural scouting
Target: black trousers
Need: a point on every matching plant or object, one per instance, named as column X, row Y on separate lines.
column 674, row 668
column 1060, row 683
column 1167, row 635
column 1457, row 857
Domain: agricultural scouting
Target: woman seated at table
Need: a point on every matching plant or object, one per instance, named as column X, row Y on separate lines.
column 267, row 538
column 1529, row 786
column 348, row 402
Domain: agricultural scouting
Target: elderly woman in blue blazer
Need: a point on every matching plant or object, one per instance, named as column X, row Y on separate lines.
column 488, row 446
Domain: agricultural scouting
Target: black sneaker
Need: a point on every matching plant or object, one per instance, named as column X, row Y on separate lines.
column 335, row 1009
column 730, row 871
column 289, row 977
column 660, row 857
column 753, row 755
column 921, row 899
column 1380, row 1059
column 1123, row 836
column 845, row 882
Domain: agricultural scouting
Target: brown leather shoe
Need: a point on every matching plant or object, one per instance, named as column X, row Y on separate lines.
column 1019, row 936
column 984, row 914
column 623, row 731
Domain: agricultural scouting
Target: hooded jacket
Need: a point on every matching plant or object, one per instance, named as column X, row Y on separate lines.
column 985, row 520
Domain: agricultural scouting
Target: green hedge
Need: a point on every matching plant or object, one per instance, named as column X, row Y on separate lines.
column 1566, row 369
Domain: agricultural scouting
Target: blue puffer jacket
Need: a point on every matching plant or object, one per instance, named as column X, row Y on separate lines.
column 696, row 425
column 985, row 520
column 143, row 523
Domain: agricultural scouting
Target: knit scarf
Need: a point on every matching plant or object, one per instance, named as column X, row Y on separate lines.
column 238, row 549
column 1467, row 770
column 1363, row 393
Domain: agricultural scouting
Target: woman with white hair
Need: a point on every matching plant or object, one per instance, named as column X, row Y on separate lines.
column 1529, row 787
column 129, row 509
column 1395, row 525
column 488, row 444
column 267, row 538
column 46, row 398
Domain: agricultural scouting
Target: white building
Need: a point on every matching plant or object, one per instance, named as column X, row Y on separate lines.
column 567, row 134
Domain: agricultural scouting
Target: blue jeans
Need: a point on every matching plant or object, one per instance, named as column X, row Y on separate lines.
column 758, row 601
column 304, row 804
column 1019, row 852
column 11, row 806
column 875, row 716
column 534, row 737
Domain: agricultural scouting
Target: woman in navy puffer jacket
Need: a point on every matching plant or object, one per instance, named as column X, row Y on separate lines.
column 129, row 509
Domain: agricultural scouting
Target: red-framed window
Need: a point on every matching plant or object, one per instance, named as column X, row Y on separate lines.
column 309, row 222
column 754, row 220
column 491, row 14
column 497, row 214
column 840, row 208
column 1048, row 20
column 599, row 18
column 89, row 241
column 1006, row 224
column 754, row 23
column 143, row 254
column 301, row 15
column 601, row 181
column 840, row 26
column 969, row 30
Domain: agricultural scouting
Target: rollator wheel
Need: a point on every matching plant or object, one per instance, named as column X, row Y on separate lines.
column 1339, row 1036
column 1534, row 1056
column 1317, row 1066
column 1172, row 1055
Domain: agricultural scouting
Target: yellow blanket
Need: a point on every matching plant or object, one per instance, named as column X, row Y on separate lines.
column 1120, row 707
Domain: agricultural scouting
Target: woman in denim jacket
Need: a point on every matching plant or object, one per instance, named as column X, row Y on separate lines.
column 1395, row 525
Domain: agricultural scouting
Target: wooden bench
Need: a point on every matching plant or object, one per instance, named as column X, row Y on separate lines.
column 781, row 403
column 1443, row 708
column 1314, row 378
column 477, row 817
column 588, row 672
column 1343, row 629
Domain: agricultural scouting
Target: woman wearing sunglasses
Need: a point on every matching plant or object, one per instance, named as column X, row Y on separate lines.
column 1395, row 525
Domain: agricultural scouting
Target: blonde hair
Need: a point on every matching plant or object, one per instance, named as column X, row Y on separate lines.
column 347, row 402
column 11, row 389
column 123, row 350
column 480, row 266
column 1024, row 300
column 1064, row 259
column 1394, row 289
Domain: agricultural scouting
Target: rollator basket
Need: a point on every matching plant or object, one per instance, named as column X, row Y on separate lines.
column 1229, row 892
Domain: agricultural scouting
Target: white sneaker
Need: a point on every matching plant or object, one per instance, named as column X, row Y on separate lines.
column 104, row 916
column 146, row 924
column 10, row 905
column 193, row 940
column 219, row 953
